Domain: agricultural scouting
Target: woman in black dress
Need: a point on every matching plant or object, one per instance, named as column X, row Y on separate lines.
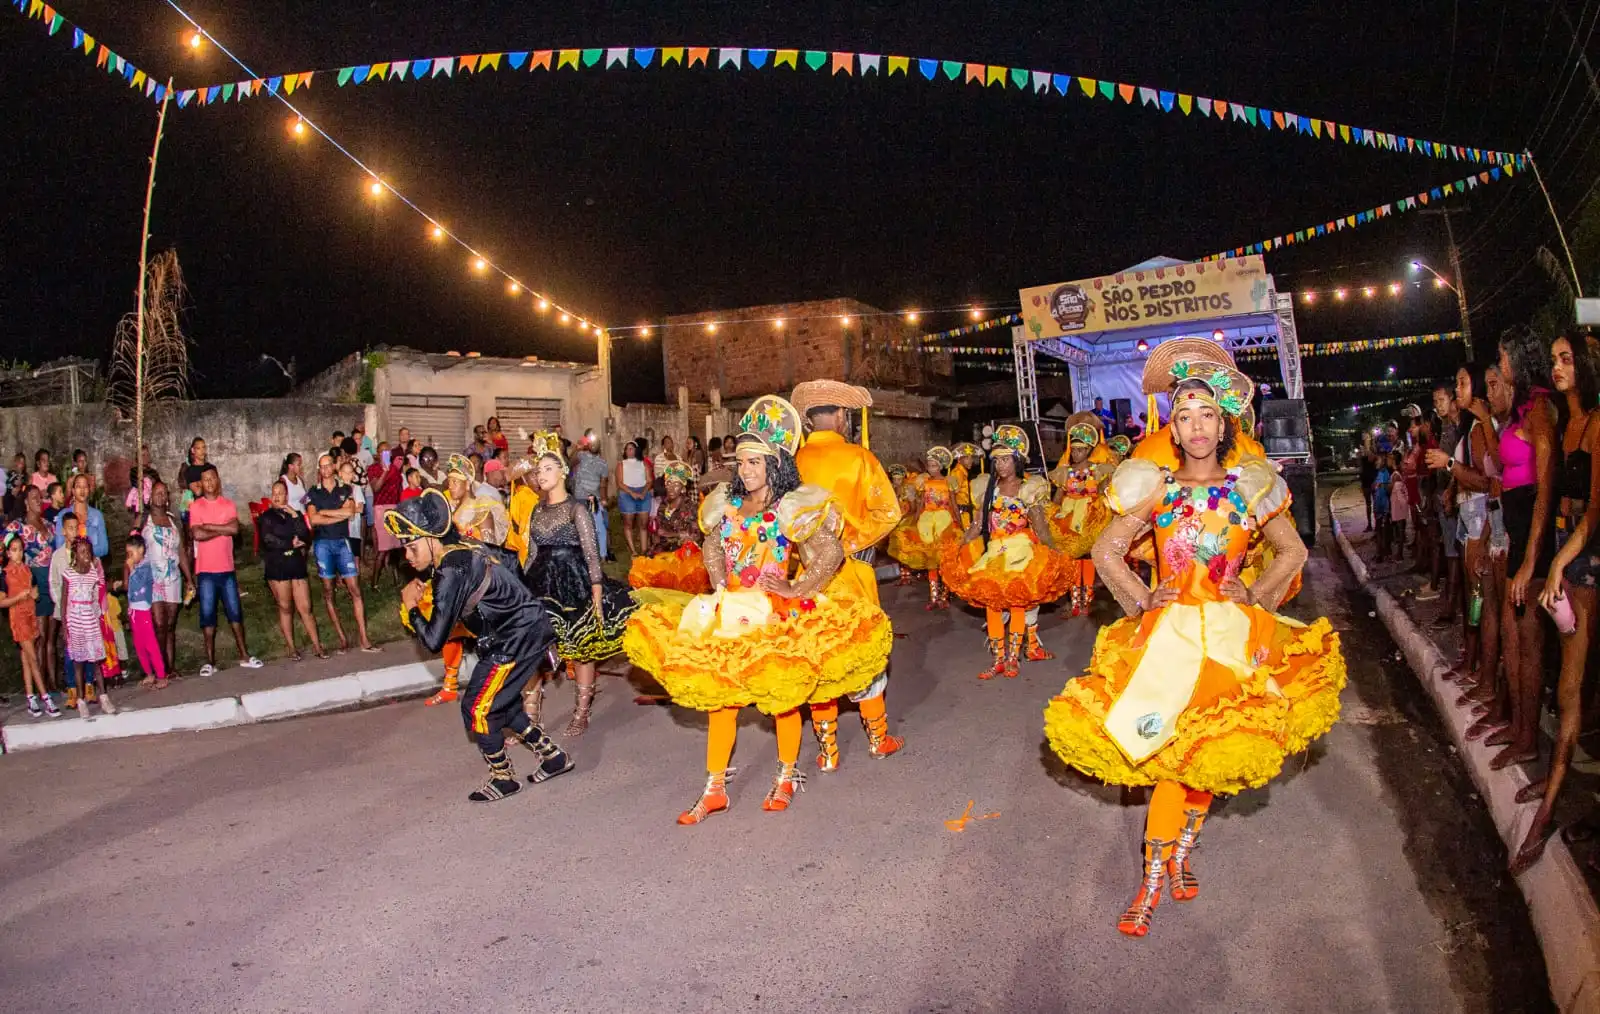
column 588, row 609
column 284, row 538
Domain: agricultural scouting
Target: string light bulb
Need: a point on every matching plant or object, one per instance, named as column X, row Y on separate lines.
column 1438, row 283
column 644, row 332
column 1339, row 293
column 196, row 40
column 777, row 325
column 912, row 316
column 845, row 321
column 297, row 127
column 480, row 264
column 438, row 232
column 711, row 329
column 544, row 304
column 376, row 189
column 1367, row 292
column 563, row 318
column 1394, row 288
column 976, row 313
column 513, row 288
column 1310, row 297
column 1142, row 345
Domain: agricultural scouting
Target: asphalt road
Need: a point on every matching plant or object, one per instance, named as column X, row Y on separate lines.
column 333, row 864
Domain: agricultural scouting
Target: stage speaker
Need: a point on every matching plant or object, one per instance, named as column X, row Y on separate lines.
column 1285, row 428
column 1121, row 408
column 1302, row 482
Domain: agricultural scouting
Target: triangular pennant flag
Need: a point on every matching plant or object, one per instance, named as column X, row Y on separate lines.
column 1062, row 83
column 213, row 92
column 1185, row 103
column 1019, row 78
column 88, row 44
column 420, row 68
column 1250, row 115
column 138, row 78
column 445, row 65
column 568, row 58
column 1167, row 99
column 1222, row 111
column 928, row 68
column 305, row 78
column 1344, row 132
column 468, row 64
column 1147, row 97
column 699, row 55
column 77, row 38
column 974, row 72
column 592, row 56
column 870, row 63
column 161, row 92
column 360, row 76
column 35, row 7
column 289, row 82
column 1086, row 85
column 227, row 93
column 902, row 65
column 759, row 58
column 1107, row 89
column 1126, row 91
column 185, row 97
column 516, row 60
column 273, row 83
column 398, row 71
column 1316, row 128
column 56, row 21
column 489, row 61
column 787, row 56
column 47, row 14
column 616, row 57
column 844, row 62
column 101, row 57
column 730, row 56
column 995, row 75
column 816, row 59
column 1041, row 81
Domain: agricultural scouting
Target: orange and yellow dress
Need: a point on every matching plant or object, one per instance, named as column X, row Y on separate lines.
column 678, row 566
column 930, row 526
column 740, row 645
column 1203, row 692
column 1015, row 570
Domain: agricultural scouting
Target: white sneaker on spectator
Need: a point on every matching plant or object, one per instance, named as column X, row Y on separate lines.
column 251, row 663
column 50, row 707
column 83, row 708
column 34, row 711
column 208, row 670
column 106, row 707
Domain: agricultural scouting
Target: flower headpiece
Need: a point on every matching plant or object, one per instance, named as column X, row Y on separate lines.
column 943, row 456
column 546, row 442
column 966, row 450
column 679, row 472
column 1219, row 379
column 770, row 425
column 1083, row 434
column 459, row 465
column 1008, row 439
column 1120, row 444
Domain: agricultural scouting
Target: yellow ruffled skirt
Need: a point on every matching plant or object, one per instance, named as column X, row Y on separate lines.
column 1004, row 584
column 920, row 542
column 837, row 646
column 682, row 570
column 1234, row 734
column 1077, row 523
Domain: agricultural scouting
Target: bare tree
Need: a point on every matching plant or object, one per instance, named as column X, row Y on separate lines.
column 153, row 366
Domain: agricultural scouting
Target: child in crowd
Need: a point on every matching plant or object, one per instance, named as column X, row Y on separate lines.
column 85, row 591
column 1399, row 507
column 413, row 484
column 60, row 563
column 20, row 596
column 357, row 481
column 141, row 599
column 1380, row 504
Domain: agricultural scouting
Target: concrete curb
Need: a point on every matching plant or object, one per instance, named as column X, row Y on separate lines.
column 1560, row 904
column 330, row 694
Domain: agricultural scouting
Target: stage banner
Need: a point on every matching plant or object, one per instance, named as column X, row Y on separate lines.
column 1166, row 295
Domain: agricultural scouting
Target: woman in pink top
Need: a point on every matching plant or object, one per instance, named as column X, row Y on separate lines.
column 42, row 476
column 1527, row 462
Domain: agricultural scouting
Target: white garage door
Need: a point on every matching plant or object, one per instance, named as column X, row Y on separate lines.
column 526, row 415
column 438, row 420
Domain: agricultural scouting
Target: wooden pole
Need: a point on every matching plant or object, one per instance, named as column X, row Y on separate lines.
column 138, row 354
column 1571, row 264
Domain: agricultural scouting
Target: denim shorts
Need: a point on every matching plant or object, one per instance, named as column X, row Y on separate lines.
column 208, row 588
column 630, row 504
column 334, row 559
column 1447, row 535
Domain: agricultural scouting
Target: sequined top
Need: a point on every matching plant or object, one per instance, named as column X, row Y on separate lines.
column 738, row 549
column 564, row 524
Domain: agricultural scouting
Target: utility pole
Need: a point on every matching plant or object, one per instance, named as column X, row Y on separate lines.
column 1455, row 267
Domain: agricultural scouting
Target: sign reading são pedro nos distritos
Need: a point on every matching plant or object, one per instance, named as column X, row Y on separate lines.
column 1202, row 290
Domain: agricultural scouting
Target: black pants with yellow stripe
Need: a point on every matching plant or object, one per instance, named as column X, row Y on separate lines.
column 491, row 702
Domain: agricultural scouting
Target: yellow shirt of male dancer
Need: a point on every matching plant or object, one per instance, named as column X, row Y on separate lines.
column 863, row 492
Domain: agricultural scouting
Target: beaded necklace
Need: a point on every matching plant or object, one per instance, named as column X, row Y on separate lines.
column 1183, row 501
column 764, row 526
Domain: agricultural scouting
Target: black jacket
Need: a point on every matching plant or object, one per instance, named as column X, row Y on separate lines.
column 473, row 587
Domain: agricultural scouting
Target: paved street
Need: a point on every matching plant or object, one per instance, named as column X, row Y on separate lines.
column 332, row 864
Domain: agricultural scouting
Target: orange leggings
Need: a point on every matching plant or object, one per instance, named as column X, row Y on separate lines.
column 871, row 708
column 995, row 621
column 724, row 728
column 1165, row 817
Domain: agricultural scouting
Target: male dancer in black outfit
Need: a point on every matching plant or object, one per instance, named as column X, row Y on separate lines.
column 471, row 588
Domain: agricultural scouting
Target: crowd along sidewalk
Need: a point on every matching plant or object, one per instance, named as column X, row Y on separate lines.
column 1560, row 901
column 236, row 696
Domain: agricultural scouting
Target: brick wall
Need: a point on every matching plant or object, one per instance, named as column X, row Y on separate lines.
column 748, row 354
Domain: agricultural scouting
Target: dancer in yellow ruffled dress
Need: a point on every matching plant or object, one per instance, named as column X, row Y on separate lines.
column 930, row 528
column 762, row 638
column 1007, row 562
column 676, row 564
column 1202, row 689
column 968, row 463
column 1081, row 513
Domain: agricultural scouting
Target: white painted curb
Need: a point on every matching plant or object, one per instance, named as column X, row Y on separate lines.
column 146, row 722
column 398, row 680
column 1560, row 904
column 302, row 698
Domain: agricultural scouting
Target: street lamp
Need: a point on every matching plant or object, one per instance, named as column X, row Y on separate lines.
column 1438, row 279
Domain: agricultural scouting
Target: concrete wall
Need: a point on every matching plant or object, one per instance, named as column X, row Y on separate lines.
column 246, row 438
column 747, row 355
column 582, row 395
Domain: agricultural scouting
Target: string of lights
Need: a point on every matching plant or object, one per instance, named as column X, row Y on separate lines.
column 1345, row 293
column 779, row 322
column 302, row 126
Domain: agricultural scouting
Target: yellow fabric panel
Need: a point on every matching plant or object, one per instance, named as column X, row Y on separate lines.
column 860, row 487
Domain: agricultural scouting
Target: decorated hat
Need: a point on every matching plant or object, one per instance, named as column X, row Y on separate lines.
column 679, row 472
column 966, row 449
column 459, row 465
column 943, row 456
column 1084, row 428
column 820, row 393
column 544, row 442
column 1184, row 359
column 422, row 517
column 1008, row 439
column 1120, row 444
column 772, row 424
column 896, row 472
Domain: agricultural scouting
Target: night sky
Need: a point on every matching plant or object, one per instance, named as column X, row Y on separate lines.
column 633, row 195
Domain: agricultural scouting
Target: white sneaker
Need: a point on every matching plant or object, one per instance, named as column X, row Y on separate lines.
column 208, row 670
column 83, row 708
column 50, row 707
column 251, row 663
column 34, row 711
column 106, row 707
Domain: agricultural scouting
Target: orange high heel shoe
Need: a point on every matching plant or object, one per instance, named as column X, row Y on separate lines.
column 1185, row 885
column 1135, row 922
column 1035, row 651
column 827, row 732
column 879, row 743
column 789, row 781
column 713, row 799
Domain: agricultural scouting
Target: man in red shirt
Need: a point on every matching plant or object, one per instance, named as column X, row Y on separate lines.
column 213, row 522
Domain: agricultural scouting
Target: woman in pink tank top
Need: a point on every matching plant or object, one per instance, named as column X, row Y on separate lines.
column 1527, row 463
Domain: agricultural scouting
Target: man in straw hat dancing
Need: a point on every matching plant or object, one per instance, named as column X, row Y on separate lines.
column 871, row 510
column 472, row 586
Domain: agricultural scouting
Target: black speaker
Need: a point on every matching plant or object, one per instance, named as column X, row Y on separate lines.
column 1302, row 482
column 1285, row 428
column 1121, row 408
